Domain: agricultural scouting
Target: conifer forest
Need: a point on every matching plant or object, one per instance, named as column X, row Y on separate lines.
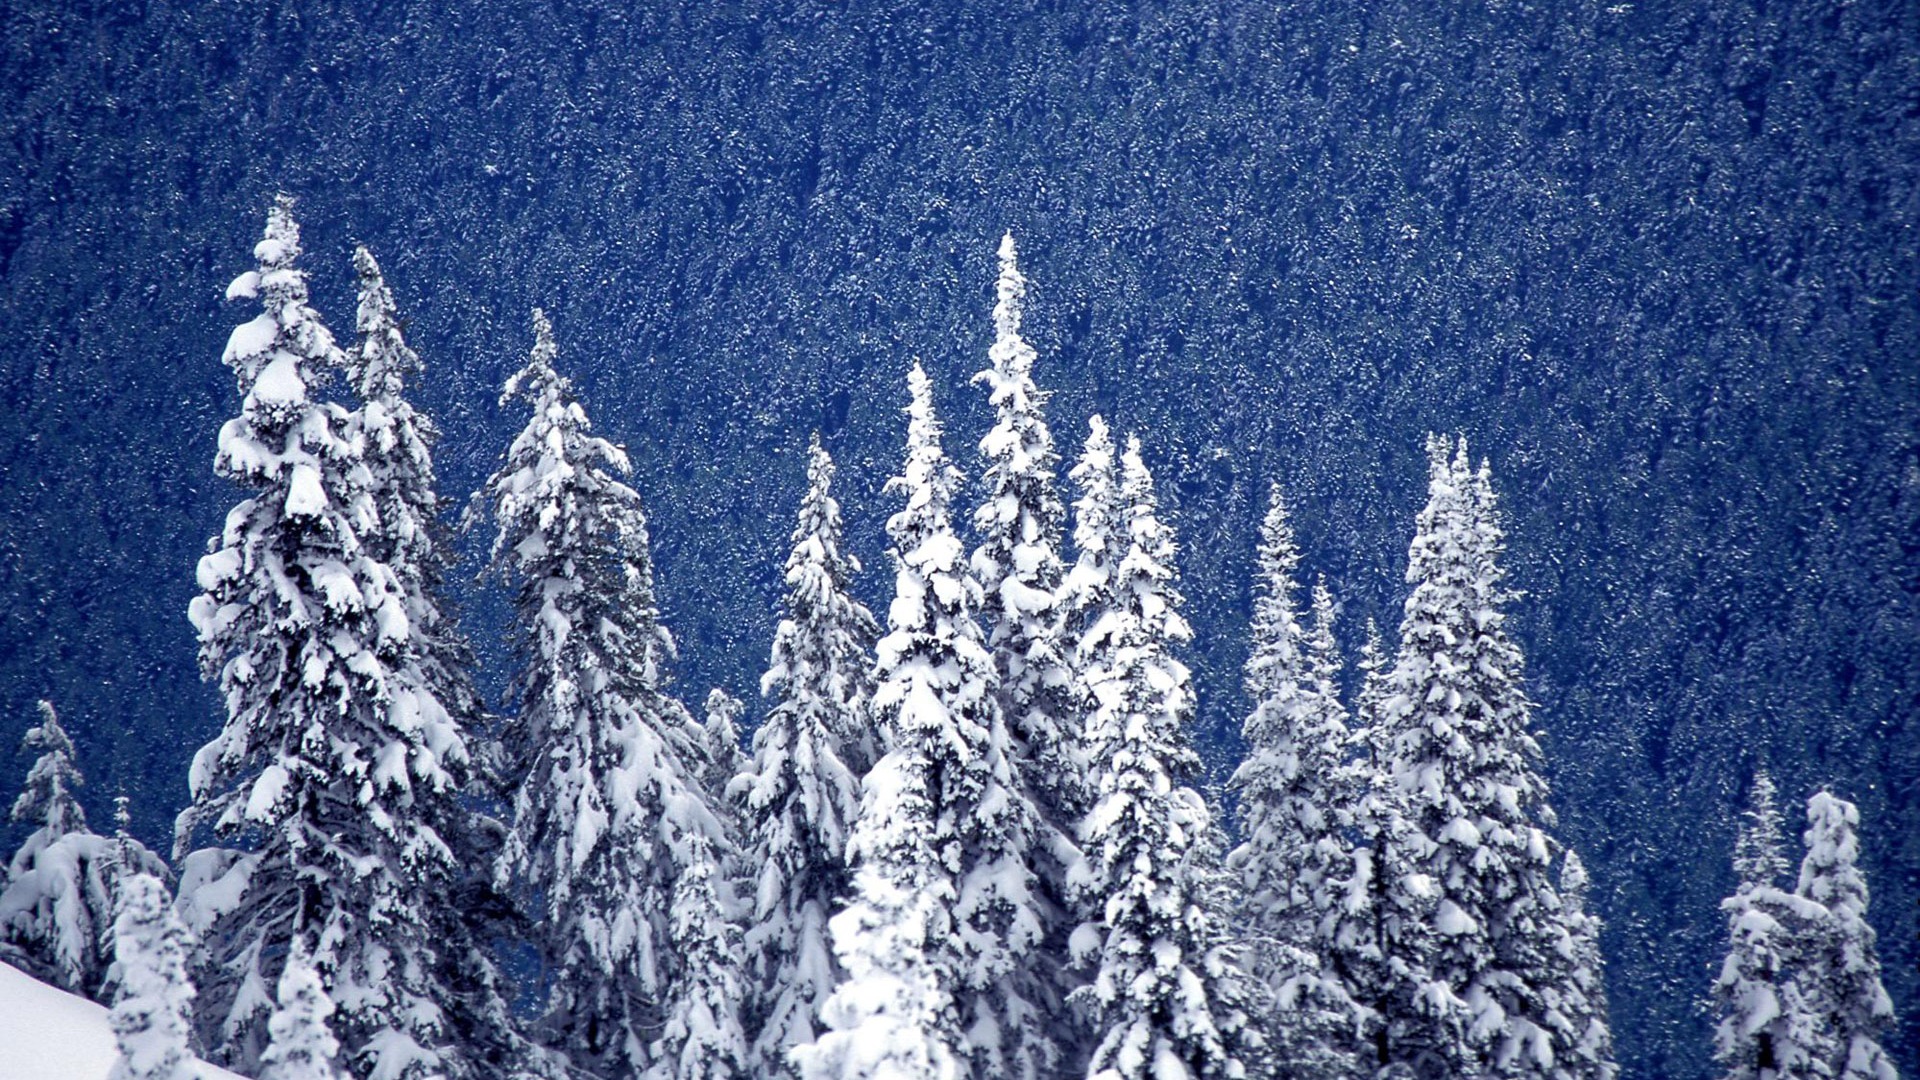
column 960, row 540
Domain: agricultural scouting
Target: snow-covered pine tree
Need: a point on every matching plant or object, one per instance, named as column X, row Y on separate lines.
column 1099, row 545
column 1585, row 989
column 800, row 796
column 1295, row 852
column 605, row 808
column 396, row 442
column 1017, row 561
column 1768, row 1028
column 336, row 764
column 397, row 446
column 1018, row 567
column 1841, row 965
column 57, row 910
column 936, row 688
column 894, row 1014
column 889, row 1018
column 301, row 1042
column 1378, row 938
column 1168, row 997
column 152, row 1018
column 47, row 797
column 1466, row 762
column 721, row 758
column 1759, row 860
column 701, row 1039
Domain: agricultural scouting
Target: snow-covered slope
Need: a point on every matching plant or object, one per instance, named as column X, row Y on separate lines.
column 49, row 1034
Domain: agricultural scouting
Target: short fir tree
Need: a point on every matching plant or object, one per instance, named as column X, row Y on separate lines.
column 1768, row 1029
column 902, row 942
column 1099, row 545
column 800, row 796
column 57, row 908
column 1465, row 760
column 701, row 1038
column 152, row 1019
column 1378, row 938
column 1841, row 966
column 301, row 1043
column 1585, row 990
column 721, row 757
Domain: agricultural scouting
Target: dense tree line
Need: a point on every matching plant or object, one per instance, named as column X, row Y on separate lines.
column 968, row 839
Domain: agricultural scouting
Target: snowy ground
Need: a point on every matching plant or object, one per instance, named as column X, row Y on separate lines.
column 48, row 1034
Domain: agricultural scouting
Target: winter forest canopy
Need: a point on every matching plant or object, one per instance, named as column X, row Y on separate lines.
column 1656, row 261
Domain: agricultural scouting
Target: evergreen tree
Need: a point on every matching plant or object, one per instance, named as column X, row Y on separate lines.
column 894, row 1015
column 1378, row 938
column 152, row 1019
column 1168, row 996
column 397, row 446
column 1841, row 970
column 57, row 909
column 302, row 1045
column 1294, row 853
column 800, row 796
column 1768, row 1028
column 1585, row 989
column 47, row 797
column 889, row 1018
column 1018, row 569
column 1099, row 546
column 1017, row 562
column 337, row 763
column 1467, row 763
column 702, row 1039
column 1758, row 858
column 606, row 808
column 396, row 442
column 721, row 758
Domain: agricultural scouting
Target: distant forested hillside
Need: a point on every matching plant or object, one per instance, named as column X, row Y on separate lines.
column 1659, row 260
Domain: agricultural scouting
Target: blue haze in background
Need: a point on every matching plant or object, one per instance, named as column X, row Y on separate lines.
column 1659, row 260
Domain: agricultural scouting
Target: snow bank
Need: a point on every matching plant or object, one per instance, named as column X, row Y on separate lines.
column 49, row 1034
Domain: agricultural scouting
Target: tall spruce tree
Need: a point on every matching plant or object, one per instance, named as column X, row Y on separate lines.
column 397, row 441
column 1769, row 1029
column 1378, row 939
column 1288, row 868
column 1586, row 990
column 1017, row 565
column 1017, row 561
column 894, row 1015
column 605, row 810
column 152, row 1019
column 800, row 795
column 1168, row 996
column 1841, row 967
column 1099, row 545
column 1465, row 759
column 397, row 446
column 57, row 907
column 335, row 752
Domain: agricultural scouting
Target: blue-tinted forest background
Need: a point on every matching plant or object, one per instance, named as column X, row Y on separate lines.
column 1659, row 260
